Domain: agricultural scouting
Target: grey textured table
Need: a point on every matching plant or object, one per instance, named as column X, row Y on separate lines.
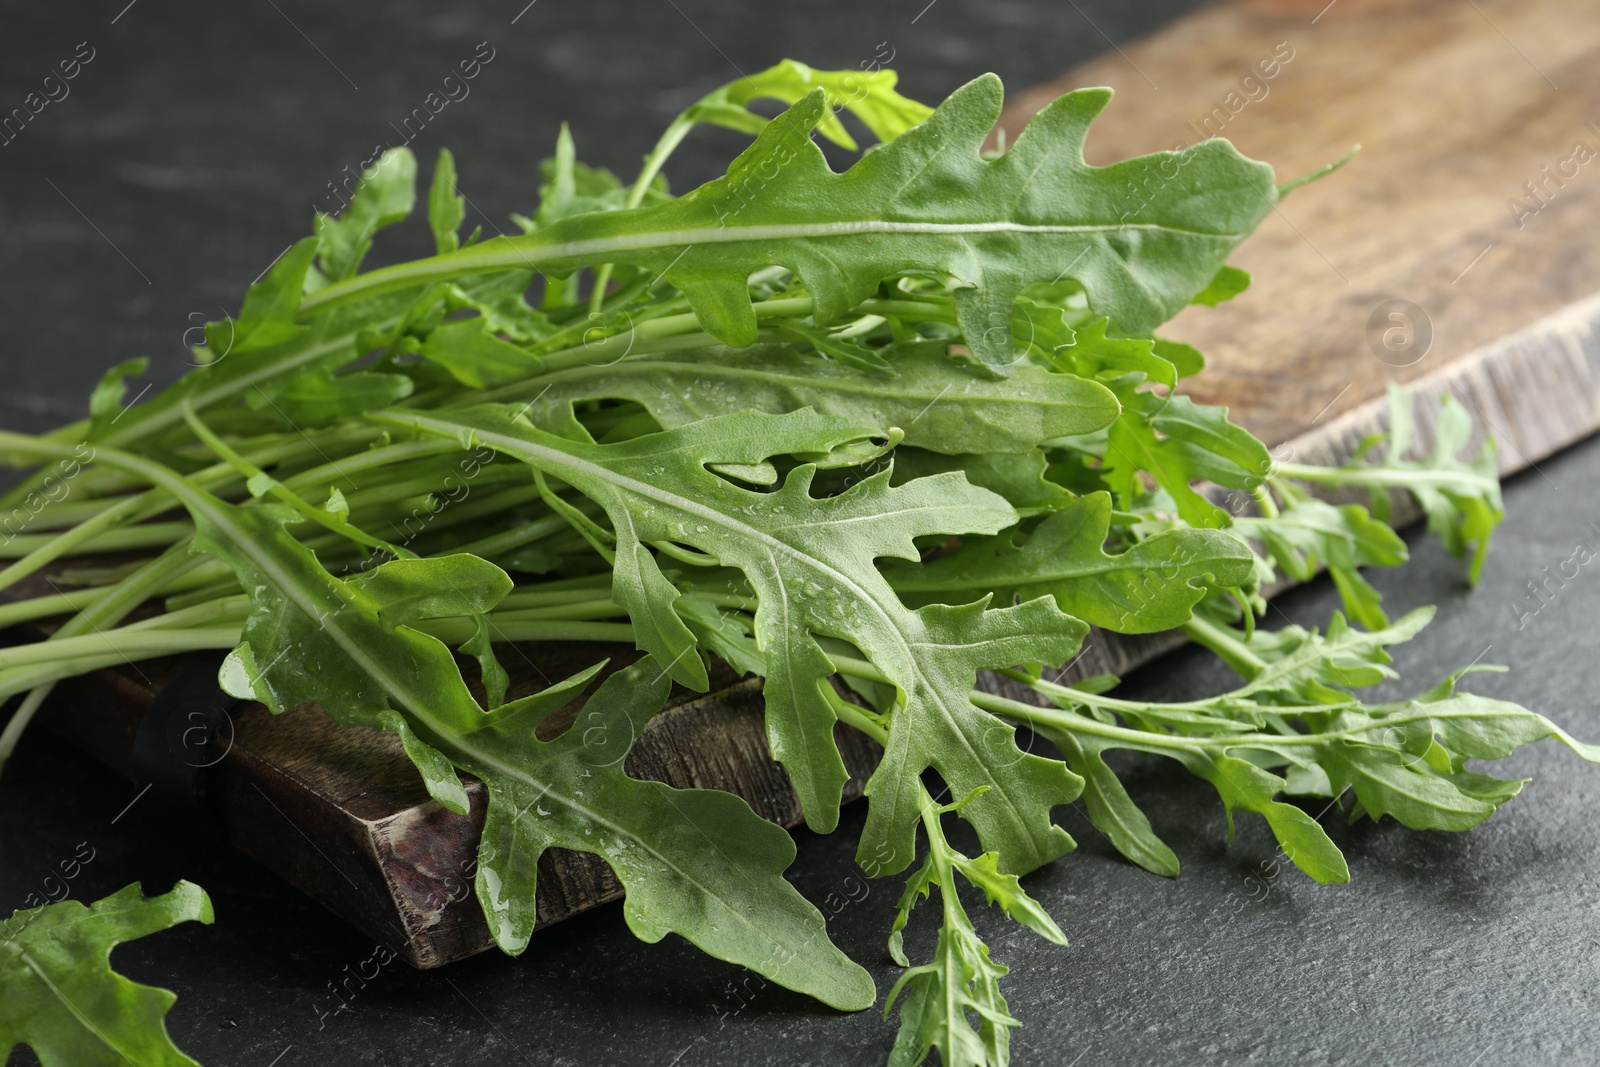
column 189, row 153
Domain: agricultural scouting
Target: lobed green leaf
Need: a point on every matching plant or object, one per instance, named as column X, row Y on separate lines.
column 63, row 1000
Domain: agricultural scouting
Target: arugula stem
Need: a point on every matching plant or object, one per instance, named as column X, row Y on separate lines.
column 908, row 309
column 516, row 537
column 282, row 493
column 665, row 334
column 855, row 716
column 1056, row 691
column 1082, row 724
column 594, row 609
column 231, row 607
column 640, row 340
column 1150, row 739
column 858, row 668
column 851, row 667
column 619, row 316
column 70, row 512
column 1380, row 478
column 597, row 581
column 343, row 468
column 453, row 513
column 666, row 144
column 537, row 597
column 939, row 855
column 42, row 607
column 151, row 502
column 125, row 539
column 39, row 680
column 1069, row 720
column 54, row 547
column 1264, row 501
column 597, row 295
column 108, row 609
column 203, row 594
column 456, row 631
column 1223, row 641
column 380, row 497
column 125, row 642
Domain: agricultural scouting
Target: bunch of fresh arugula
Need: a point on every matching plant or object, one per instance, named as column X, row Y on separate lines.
column 863, row 433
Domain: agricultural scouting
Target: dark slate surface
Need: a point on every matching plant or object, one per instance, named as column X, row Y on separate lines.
column 191, row 148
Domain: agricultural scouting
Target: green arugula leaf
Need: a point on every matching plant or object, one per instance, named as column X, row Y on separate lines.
column 928, row 202
column 869, row 95
column 267, row 316
column 63, row 1000
column 811, row 563
column 1228, row 283
column 1405, row 758
column 1408, row 760
column 311, row 399
column 1179, row 442
column 385, row 195
column 1089, row 352
column 961, row 984
column 447, row 209
column 475, row 357
column 572, row 188
column 352, row 645
column 1461, row 497
column 1243, row 786
column 253, row 375
column 495, row 679
column 934, row 401
column 672, row 849
column 1300, row 665
column 724, row 633
column 1310, row 533
column 693, row 861
column 1152, row 586
column 256, row 356
column 1110, row 808
column 1019, row 477
column 265, row 352
column 1005, row 891
column 105, row 402
column 1211, row 446
column 501, row 299
column 1186, row 359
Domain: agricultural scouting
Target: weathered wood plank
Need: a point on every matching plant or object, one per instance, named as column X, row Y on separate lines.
column 341, row 813
column 1456, row 107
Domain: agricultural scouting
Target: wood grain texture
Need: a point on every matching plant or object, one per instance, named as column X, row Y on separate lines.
column 1453, row 119
column 1455, row 105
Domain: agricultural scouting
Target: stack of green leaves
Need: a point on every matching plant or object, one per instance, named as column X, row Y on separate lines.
column 864, row 433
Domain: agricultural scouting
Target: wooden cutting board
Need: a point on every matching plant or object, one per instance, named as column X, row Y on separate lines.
column 1454, row 253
